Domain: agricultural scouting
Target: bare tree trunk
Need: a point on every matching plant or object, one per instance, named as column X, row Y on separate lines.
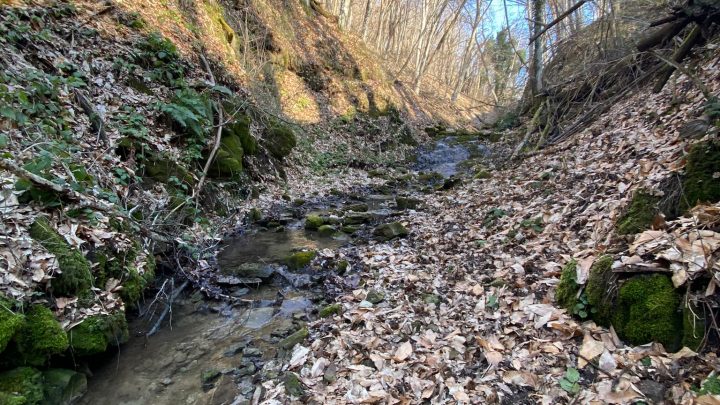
column 465, row 62
column 536, row 68
column 366, row 18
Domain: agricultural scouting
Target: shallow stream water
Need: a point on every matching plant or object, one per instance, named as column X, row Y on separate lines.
column 238, row 342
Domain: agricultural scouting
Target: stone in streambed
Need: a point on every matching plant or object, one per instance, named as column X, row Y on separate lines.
column 299, row 260
column 375, row 297
column 63, row 386
column 326, row 230
column 390, row 231
column 313, row 222
column 297, row 337
column 330, row 310
column 404, row 203
column 359, row 207
column 293, row 386
column 356, row 218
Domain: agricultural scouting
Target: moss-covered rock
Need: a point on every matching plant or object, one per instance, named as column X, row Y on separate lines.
column 12, row 399
column 297, row 337
column 228, row 159
column 40, row 337
column 10, row 321
column 326, row 230
column 390, row 231
column 122, row 266
column 95, row 333
column 76, row 276
column 293, row 386
column 330, row 310
column 313, row 221
column 300, row 260
column 404, row 203
column 700, row 183
column 161, row 169
column 375, row 297
column 63, row 386
column 280, row 140
column 241, row 128
column 647, row 311
column 24, row 383
column 567, row 290
column 639, row 216
column 482, row 174
column 597, row 287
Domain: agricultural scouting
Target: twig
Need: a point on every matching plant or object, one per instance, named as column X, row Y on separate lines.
column 557, row 20
column 700, row 85
column 218, row 138
column 84, row 200
column 168, row 308
column 96, row 122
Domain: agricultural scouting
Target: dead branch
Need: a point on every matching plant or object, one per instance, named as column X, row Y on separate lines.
column 690, row 40
column 558, row 19
column 168, row 308
column 218, row 138
column 96, row 123
column 84, row 200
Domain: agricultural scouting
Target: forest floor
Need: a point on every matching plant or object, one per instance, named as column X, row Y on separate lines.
column 463, row 309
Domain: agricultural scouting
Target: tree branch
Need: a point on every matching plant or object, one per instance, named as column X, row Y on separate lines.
column 557, row 20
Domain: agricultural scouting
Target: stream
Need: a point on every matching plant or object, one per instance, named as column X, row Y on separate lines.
column 209, row 352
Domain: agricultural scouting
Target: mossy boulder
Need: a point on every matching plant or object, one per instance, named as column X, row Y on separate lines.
column 375, row 297
column 280, row 140
column 700, row 184
column 76, row 276
column 63, row 386
column 162, row 168
column 313, row 221
column 330, row 310
column 241, row 128
column 299, row 260
column 326, row 230
column 95, row 333
column 566, row 293
column 40, row 337
column 228, row 159
column 121, row 265
column 297, row 337
column 640, row 214
column 482, row 174
column 356, row 218
column 10, row 321
column 390, row 231
column 23, row 385
column 647, row 311
column 597, row 290
column 404, row 203
column 293, row 385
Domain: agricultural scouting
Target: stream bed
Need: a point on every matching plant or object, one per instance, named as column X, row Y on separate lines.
column 212, row 352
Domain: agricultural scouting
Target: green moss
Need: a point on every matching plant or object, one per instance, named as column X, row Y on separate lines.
column 280, row 140
column 693, row 327
column 63, row 386
column 639, row 216
column 330, row 310
column 326, row 230
column 647, row 311
column 313, row 222
column 22, row 382
column 75, row 268
column 293, row 386
column 567, row 290
column 10, row 322
column 40, row 336
column 12, row 399
column 300, row 260
column 342, row 266
column 711, row 385
column 228, row 160
column 390, row 231
column 255, row 214
column 95, row 333
column 297, row 337
column 700, row 184
column 161, row 169
column 133, row 286
column 596, row 289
